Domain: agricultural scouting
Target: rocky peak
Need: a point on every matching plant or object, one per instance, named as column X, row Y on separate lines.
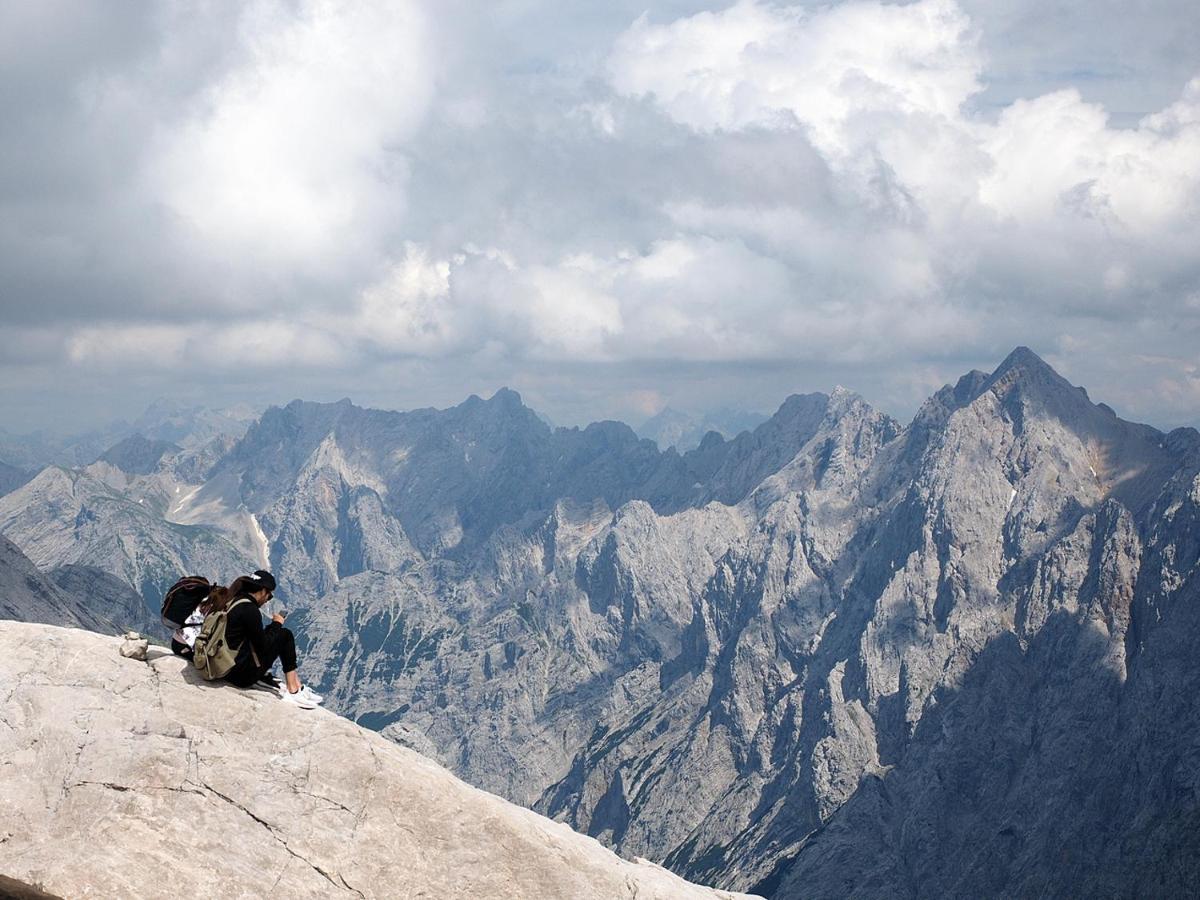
column 1024, row 377
column 934, row 411
column 137, row 454
column 503, row 412
column 507, row 398
column 192, row 782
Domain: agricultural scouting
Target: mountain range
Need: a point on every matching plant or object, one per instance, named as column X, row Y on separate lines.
column 163, row 420
column 830, row 655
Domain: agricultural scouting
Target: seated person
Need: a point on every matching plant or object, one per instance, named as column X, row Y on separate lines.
column 183, row 641
column 259, row 647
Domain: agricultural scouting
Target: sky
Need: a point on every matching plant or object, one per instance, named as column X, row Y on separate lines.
column 610, row 207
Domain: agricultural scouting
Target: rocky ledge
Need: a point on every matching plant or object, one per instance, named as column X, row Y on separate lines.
column 121, row 778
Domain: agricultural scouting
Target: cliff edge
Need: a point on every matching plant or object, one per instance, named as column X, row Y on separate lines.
column 136, row 779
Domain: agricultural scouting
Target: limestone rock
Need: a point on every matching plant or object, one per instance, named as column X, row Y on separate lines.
column 69, row 517
column 125, row 779
column 59, row 597
column 134, row 646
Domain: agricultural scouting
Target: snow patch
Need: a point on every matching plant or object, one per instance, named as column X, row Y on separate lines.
column 261, row 545
column 1012, row 495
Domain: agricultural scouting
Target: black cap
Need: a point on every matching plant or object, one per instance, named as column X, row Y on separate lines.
column 265, row 579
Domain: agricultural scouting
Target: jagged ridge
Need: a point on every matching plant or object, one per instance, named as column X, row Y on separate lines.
column 715, row 658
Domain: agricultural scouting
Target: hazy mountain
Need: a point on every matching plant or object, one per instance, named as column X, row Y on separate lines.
column 191, row 426
column 684, row 431
column 186, row 426
column 12, row 477
column 137, row 455
column 828, row 640
column 70, row 596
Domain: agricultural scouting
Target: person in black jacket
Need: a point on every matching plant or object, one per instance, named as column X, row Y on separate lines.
column 259, row 647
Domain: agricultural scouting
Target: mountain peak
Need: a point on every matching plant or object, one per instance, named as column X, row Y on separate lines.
column 507, row 398
column 137, row 454
column 1024, row 359
column 1028, row 374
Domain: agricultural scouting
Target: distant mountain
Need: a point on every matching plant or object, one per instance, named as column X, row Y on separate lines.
column 831, row 655
column 189, row 427
column 12, row 477
column 137, row 455
column 684, row 431
column 69, row 596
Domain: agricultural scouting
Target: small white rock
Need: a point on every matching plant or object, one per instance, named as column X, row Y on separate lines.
column 134, row 646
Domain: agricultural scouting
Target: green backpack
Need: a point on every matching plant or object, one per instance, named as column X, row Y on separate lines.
column 211, row 654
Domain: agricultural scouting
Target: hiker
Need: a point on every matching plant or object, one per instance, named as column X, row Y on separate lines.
column 183, row 640
column 259, row 647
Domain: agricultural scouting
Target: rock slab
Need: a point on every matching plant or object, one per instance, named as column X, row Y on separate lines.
column 121, row 778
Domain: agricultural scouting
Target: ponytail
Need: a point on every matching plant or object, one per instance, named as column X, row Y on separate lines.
column 244, row 586
column 217, row 600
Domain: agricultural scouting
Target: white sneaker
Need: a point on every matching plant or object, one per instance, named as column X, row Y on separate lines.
column 299, row 699
column 311, row 694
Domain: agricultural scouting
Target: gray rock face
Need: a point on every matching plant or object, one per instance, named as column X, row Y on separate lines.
column 107, row 596
column 69, row 596
column 69, row 517
column 121, row 778
column 137, row 455
column 782, row 660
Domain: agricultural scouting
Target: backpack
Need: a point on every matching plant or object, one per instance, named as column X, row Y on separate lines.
column 211, row 654
column 183, row 598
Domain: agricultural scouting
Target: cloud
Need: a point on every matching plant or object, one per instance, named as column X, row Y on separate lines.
column 882, row 90
column 757, row 65
column 293, row 154
column 710, row 204
column 687, row 298
column 248, row 347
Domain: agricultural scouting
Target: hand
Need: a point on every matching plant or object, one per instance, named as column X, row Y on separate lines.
column 278, row 617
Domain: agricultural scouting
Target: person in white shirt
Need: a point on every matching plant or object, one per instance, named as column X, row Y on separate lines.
column 183, row 640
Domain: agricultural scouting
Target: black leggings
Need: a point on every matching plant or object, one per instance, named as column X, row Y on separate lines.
column 181, row 649
column 278, row 644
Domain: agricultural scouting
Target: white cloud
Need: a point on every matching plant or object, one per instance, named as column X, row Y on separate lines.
column 874, row 84
column 242, row 350
column 687, row 298
column 754, row 65
column 1057, row 155
column 291, row 156
column 462, row 196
